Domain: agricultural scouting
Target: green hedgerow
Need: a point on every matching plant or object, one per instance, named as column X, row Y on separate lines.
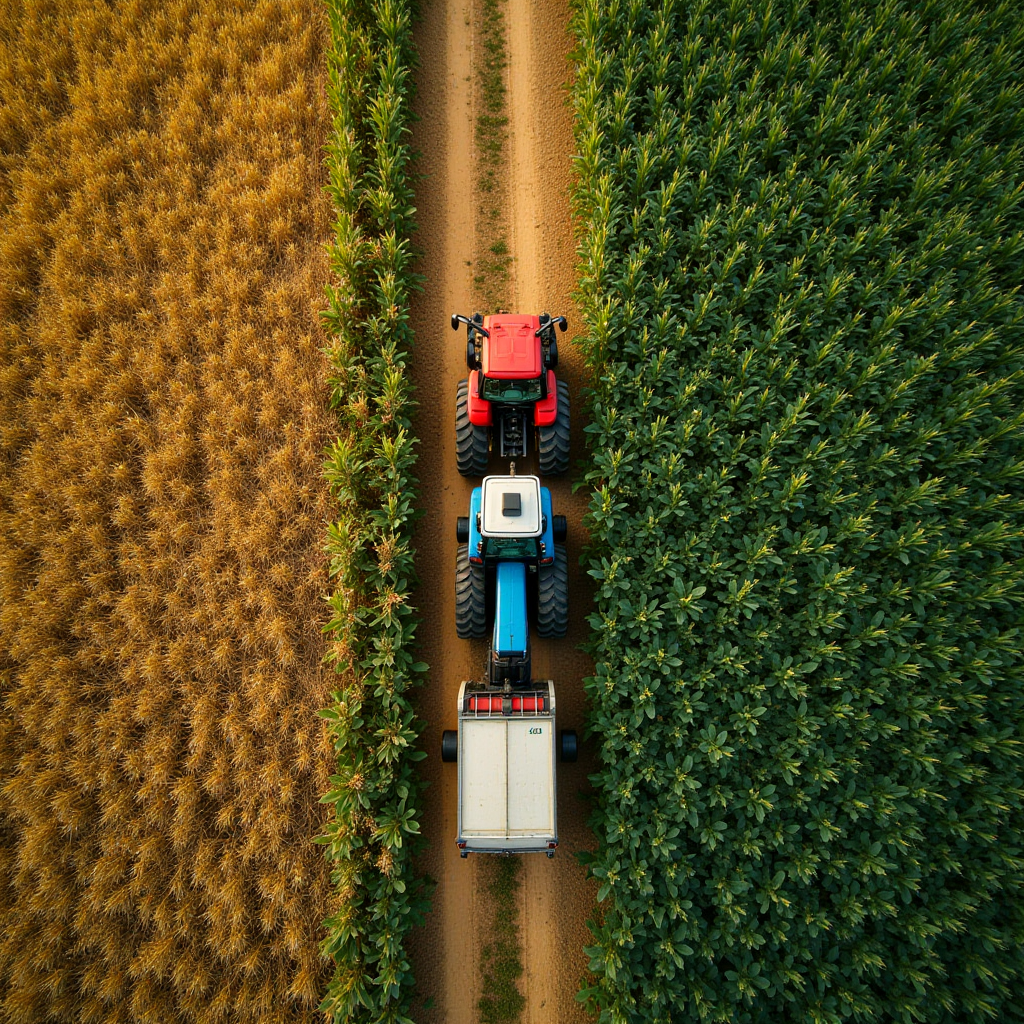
column 375, row 792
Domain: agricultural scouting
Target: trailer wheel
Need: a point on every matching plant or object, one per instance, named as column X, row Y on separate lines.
column 449, row 746
column 470, row 440
column 553, row 441
column 553, row 596
column 570, row 747
column 470, row 598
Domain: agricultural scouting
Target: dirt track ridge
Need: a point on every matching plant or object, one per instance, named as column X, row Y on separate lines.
column 555, row 898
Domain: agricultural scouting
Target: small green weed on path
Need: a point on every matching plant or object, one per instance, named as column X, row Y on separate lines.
column 502, row 959
column 493, row 256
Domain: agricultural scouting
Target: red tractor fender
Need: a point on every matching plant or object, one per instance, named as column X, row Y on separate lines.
column 545, row 411
column 479, row 408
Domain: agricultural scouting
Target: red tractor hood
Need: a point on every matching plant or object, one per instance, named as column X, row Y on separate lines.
column 512, row 352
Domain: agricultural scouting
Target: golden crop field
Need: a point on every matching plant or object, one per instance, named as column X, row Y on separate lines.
column 164, row 413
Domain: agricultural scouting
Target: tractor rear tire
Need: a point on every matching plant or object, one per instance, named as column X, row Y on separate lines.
column 553, row 441
column 470, row 598
column 470, row 440
column 553, row 596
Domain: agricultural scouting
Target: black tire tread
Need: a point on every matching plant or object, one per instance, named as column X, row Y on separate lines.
column 553, row 596
column 470, row 440
column 470, row 598
column 553, row 441
column 568, row 743
column 449, row 746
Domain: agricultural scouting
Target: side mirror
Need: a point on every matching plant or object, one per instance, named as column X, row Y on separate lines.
column 455, row 322
column 547, row 324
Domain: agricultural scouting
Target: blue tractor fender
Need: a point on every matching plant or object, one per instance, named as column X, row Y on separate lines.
column 547, row 538
column 510, row 630
column 474, row 530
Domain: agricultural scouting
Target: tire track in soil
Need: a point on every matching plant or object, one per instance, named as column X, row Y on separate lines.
column 555, row 898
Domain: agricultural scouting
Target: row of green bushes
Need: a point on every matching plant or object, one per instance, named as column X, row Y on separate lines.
column 375, row 793
column 801, row 260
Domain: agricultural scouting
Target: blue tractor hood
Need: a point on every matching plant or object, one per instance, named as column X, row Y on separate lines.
column 510, row 629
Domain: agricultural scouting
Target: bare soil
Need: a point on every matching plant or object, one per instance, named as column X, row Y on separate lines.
column 556, row 900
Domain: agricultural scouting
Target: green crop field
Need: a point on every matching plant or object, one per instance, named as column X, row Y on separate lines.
column 801, row 259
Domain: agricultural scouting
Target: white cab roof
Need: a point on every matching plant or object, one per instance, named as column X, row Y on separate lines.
column 494, row 522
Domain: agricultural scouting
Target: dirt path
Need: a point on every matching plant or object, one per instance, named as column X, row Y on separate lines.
column 555, row 898
column 445, row 949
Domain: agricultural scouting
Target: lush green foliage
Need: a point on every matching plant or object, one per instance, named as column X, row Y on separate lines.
column 801, row 258
column 375, row 790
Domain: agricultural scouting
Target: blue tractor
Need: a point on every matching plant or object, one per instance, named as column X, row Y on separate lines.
column 510, row 567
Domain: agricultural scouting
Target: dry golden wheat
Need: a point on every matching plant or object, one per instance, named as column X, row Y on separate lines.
column 163, row 412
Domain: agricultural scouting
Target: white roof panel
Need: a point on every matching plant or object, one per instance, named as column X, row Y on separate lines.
column 494, row 521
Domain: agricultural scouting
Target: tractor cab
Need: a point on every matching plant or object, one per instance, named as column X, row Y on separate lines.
column 510, row 520
column 512, row 390
column 511, row 558
column 512, row 365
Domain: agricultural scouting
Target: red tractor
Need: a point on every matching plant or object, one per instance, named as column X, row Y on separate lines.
column 511, row 390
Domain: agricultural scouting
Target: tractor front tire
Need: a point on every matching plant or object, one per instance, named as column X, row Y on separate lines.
column 553, row 596
column 470, row 440
column 553, row 441
column 470, row 598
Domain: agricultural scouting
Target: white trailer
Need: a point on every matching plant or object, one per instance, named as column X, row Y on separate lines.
column 506, row 753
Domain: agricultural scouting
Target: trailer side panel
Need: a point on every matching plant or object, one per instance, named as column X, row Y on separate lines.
column 483, row 776
column 531, row 775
